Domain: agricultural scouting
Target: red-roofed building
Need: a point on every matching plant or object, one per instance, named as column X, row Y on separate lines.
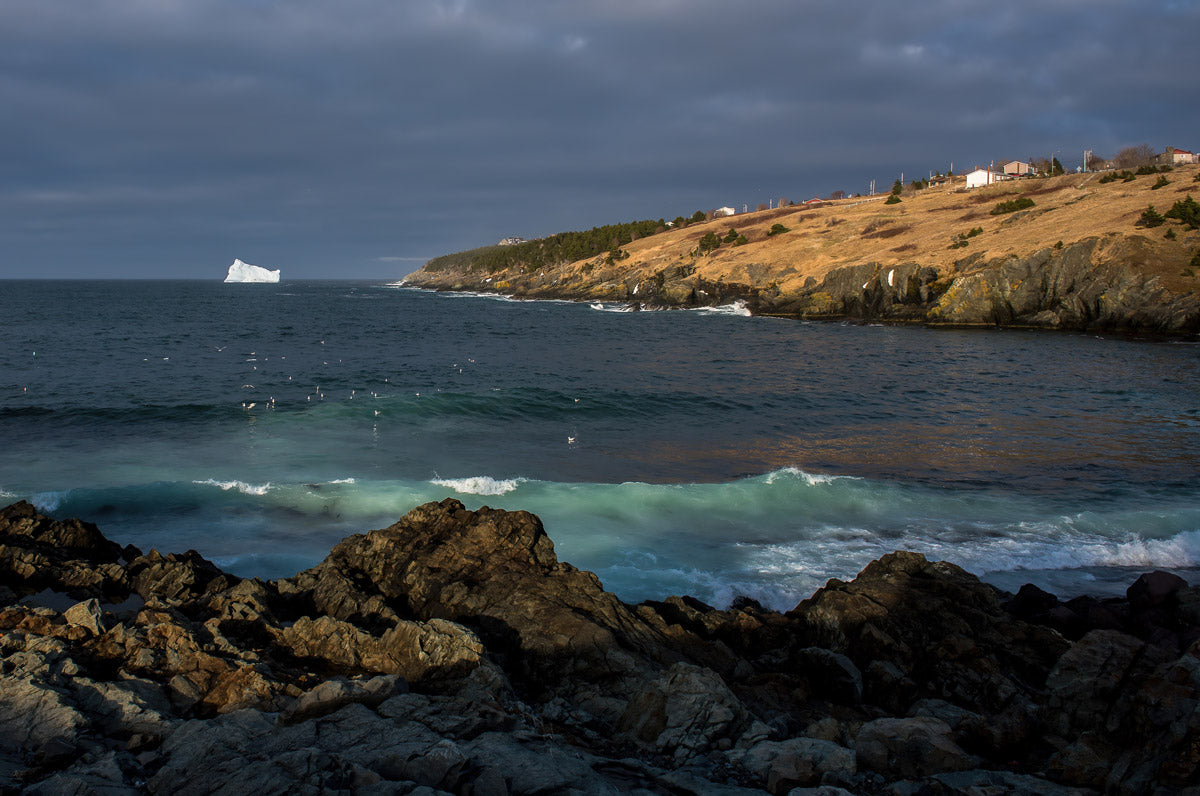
column 1175, row 156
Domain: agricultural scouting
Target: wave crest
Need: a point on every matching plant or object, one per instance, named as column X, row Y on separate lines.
column 239, row 486
column 479, row 485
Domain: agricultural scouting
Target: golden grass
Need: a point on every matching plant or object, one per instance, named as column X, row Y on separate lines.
column 921, row 229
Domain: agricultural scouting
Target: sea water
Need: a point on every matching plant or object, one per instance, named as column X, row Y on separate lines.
column 698, row 452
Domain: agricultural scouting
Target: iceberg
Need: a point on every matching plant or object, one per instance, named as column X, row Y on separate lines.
column 244, row 272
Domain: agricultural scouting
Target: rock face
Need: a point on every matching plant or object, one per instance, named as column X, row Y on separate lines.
column 453, row 653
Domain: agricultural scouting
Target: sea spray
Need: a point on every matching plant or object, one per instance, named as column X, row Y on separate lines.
column 775, row 537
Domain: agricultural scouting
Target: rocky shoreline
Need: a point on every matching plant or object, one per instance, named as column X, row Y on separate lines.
column 452, row 652
column 1067, row 289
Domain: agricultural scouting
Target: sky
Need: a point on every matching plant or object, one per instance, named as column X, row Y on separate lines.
column 359, row 138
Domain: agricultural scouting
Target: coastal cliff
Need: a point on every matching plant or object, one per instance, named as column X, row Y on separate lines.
column 1078, row 255
column 452, row 652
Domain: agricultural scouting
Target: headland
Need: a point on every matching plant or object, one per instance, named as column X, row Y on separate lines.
column 1071, row 252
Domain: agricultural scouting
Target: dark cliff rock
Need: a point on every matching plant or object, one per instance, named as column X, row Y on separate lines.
column 1096, row 284
column 1072, row 288
column 453, row 652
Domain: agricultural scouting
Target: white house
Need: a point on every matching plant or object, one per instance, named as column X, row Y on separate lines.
column 724, row 211
column 981, row 177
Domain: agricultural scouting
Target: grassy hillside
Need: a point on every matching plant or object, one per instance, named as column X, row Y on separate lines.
column 947, row 229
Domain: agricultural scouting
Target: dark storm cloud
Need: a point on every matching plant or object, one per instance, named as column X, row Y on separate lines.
column 360, row 137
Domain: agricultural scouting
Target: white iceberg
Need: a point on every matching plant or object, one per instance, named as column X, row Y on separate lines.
column 244, row 272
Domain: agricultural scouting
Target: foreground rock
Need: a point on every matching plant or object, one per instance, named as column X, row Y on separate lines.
column 453, row 653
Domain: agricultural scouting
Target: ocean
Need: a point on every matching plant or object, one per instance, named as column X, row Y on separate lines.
column 696, row 452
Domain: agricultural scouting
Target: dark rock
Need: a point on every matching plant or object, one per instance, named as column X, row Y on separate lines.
column 908, row 748
column 1154, row 589
column 936, row 626
column 1030, row 601
column 527, row 677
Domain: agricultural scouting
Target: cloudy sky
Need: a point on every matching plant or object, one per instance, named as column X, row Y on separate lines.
column 358, row 138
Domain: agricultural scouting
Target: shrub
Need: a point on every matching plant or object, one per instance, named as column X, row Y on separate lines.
column 1161, row 182
column 1113, row 176
column 709, row 242
column 975, row 231
column 1170, row 233
column 893, row 200
column 1151, row 218
column 1186, row 210
column 730, row 236
column 741, row 241
column 776, row 229
column 1012, row 205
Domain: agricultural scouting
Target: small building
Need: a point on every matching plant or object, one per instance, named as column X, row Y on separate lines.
column 1175, row 156
column 513, row 241
column 1017, row 168
column 725, row 211
column 981, row 177
column 815, row 201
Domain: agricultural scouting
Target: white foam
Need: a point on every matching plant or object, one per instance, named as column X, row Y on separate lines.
column 47, row 502
column 811, row 479
column 479, row 485
column 240, row 486
column 736, row 308
column 342, row 481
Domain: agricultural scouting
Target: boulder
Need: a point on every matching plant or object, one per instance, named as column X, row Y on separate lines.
column 685, row 712
column 908, row 748
column 931, row 626
column 798, row 762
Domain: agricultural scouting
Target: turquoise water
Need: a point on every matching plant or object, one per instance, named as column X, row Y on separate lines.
column 701, row 452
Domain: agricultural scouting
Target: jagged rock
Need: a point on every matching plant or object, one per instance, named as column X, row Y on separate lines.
column 34, row 713
column 332, row 695
column 413, row 650
column 174, row 577
column 1086, row 690
column 496, row 572
column 685, row 712
column 907, row 748
column 87, row 615
column 218, row 684
column 934, row 625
